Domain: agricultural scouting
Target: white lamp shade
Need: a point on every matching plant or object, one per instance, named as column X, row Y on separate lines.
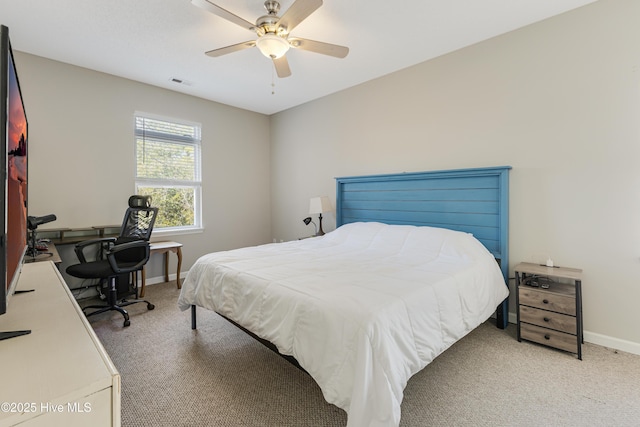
column 319, row 205
column 272, row 46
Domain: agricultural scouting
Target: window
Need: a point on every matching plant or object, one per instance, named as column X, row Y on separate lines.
column 168, row 169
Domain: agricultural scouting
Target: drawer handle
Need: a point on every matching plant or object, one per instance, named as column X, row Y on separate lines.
column 546, row 301
column 547, row 337
column 546, row 319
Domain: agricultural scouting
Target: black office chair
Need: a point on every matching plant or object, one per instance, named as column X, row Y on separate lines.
column 119, row 258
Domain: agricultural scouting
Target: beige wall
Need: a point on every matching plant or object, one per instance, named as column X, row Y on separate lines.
column 559, row 101
column 82, row 155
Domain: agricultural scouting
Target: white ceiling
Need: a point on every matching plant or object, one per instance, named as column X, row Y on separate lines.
column 154, row 41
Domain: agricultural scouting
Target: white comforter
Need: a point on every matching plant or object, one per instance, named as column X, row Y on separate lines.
column 362, row 308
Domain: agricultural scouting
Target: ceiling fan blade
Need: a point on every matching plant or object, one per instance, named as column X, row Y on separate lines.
column 223, row 13
column 319, row 47
column 282, row 67
column 230, row 49
column 298, row 11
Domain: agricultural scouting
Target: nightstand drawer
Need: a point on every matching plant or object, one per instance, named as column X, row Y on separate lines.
column 548, row 319
column 549, row 337
column 547, row 301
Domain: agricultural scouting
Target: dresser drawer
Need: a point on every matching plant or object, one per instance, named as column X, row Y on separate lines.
column 547, row 300
column 548, row 319
column 549, row 337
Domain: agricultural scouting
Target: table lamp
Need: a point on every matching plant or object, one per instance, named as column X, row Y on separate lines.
column 318, row 205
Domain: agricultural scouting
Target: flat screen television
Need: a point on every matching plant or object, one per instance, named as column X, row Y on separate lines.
column 13, row 164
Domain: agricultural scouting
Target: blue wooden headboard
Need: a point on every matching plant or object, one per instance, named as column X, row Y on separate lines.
column 475, row 201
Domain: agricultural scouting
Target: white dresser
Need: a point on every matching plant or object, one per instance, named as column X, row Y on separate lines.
column 60, row 374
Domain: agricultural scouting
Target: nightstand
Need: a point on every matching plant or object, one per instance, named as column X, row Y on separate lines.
column 549, row 306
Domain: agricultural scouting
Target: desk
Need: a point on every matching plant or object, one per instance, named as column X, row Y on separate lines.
column 65, row 236
column 165, row 248
column 71, row 236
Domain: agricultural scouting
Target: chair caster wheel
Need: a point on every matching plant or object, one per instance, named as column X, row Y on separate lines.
column 150, row 306
column 127, row 323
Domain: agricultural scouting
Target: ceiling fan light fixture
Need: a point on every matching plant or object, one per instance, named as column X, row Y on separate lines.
column 272, row 46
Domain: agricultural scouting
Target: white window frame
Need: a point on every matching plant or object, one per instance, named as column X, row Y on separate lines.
column 196, row 184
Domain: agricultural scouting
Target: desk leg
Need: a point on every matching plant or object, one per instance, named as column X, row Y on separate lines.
column 142, row 286
column 166, row 266
column 179, row 253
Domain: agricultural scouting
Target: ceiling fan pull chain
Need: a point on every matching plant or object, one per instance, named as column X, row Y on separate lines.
column 273, row 81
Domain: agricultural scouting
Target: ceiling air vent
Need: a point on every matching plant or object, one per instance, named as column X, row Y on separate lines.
column 181, row 82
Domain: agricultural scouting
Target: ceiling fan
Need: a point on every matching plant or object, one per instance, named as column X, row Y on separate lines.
column 274, row 32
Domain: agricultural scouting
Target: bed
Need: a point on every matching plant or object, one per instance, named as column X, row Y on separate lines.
column 410, row 269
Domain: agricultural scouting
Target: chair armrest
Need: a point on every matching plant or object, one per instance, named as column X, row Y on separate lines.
column 80, row 247
column 111, row 256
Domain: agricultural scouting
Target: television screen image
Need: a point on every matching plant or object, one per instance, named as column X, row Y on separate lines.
column 16, row 176
column 13, row 165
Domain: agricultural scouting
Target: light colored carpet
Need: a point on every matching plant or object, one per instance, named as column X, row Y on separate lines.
column 219, row 376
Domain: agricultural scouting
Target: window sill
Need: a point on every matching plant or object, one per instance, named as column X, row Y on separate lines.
column 176, row 232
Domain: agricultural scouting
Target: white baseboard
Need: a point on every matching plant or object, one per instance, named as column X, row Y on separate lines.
column 610, row 342
column 601, row 340
column 155, row 280
column 160, row 279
